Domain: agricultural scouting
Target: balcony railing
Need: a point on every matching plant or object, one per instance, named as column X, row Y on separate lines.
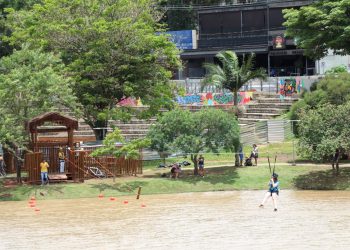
column 233, row 41
column 197, row 5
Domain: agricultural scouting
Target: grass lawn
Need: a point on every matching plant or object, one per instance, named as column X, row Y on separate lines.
column 284, row 152
column 222, row 178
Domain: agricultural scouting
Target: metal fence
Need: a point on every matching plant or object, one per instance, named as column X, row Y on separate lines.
column 269, row 131
column 270, row 85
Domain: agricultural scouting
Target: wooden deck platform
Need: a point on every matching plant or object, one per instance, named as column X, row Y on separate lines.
column 59, row 177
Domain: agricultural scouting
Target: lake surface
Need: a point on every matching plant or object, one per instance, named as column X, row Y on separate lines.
column 215, row 220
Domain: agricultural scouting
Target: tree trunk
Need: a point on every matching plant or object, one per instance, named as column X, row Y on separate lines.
column 18, row 170
column 235, row 97
column 8, row 160
column 195, row 163
column 237, row 162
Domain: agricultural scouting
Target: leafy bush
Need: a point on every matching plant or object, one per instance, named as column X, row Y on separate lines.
column 323, row 130
column 337, row 70
column 333, row 89
column 208, row 130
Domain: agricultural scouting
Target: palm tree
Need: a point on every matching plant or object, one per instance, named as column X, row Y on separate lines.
column 230, row 75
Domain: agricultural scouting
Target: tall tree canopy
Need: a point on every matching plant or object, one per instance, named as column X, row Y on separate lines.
column 320, row 26
column 5, row 48
column 110, row 47
column 229, row 74
column 208, row 130
column 323, row 130
column 31, row 82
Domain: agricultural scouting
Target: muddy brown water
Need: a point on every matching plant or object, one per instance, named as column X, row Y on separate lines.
column 215, row 220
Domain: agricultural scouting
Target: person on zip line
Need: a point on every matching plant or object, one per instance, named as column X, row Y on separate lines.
column 273, row 191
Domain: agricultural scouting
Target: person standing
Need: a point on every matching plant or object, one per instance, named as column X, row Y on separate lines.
column 44, row 166
column 273, row 191
column 241, row 155
column 335, row 160
column 255, row 154
column 61, row 158
column 201, row 165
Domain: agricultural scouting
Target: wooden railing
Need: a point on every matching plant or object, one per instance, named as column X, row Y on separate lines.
column 89, row 161
column 78, row 163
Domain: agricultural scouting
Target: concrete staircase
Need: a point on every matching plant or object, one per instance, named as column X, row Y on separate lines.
column 133, row 129
column 265, row 106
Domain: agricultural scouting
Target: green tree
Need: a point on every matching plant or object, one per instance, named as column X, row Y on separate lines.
column 208, row 130
column 320, row 26
column 31, row 82
column 332, row 89
column 5, row 48
column 323, row 130
column 110, row 47
column 114, row 144
column 17, row 4
column 229, row 74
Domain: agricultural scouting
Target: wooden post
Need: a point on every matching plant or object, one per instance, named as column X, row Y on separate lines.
column 80, row 170
column 138, row 193
column 70, row 138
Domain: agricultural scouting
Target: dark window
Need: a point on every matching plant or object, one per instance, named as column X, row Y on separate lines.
column 231, row 22
column 276, row 18
column 254, row 20
column 210, row 23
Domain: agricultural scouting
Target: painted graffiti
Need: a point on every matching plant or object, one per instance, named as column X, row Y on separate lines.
column 188, row 99
column 206, row 99
column 290, row 86
column 130, row 101
column 214, row 98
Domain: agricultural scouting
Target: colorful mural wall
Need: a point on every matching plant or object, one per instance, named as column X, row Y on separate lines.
column 131, row 102
column 198, row 99
column 290, row 86
column 214, row 98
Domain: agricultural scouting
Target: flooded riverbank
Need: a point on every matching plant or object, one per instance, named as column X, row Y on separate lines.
column 215, row 220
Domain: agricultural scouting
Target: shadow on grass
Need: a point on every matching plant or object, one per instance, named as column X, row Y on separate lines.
column 7, row 193
column 120, row 187
column 215, row 175
column 324, row 180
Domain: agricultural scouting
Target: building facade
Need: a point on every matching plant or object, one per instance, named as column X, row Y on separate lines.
column 249, row 26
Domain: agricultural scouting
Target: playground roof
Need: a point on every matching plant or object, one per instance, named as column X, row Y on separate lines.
column 53, row 117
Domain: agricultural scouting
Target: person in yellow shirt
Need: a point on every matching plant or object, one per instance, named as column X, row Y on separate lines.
column 44, row 166
column 61, row 158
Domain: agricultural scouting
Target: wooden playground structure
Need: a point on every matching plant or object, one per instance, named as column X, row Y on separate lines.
column 79, row 164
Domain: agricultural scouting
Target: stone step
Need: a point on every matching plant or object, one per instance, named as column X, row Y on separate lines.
column 249, row 121
column 266, row 110
column 131, row 126
column 276, row 100
column 84, row 128
column 87, row 132
column 259, row 115
column 135, row 131
column 129, row 137
column 133, row 121
column 264, row 94
column 268, row 105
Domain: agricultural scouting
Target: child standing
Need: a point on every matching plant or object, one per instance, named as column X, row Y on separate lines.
column 201, row 165
column 44, row 166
